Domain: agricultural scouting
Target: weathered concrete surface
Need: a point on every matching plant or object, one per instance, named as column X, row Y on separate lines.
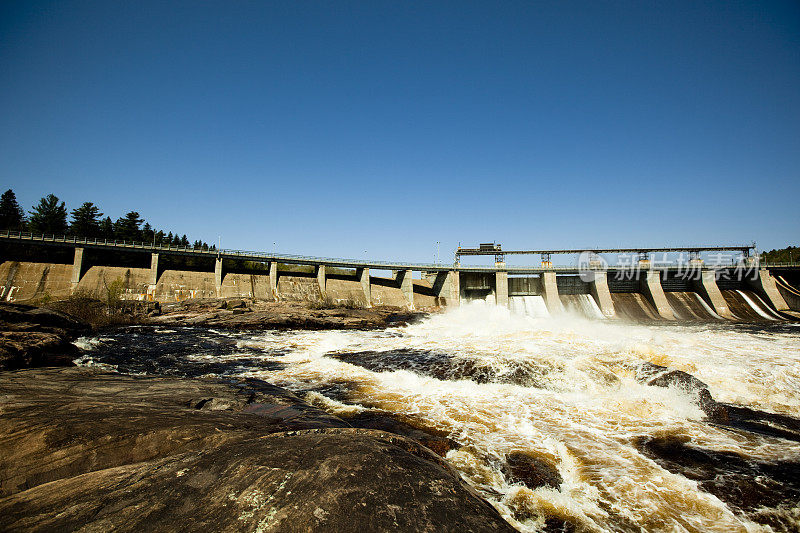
column 501, row 288
column 708, row 289
column 406, row 284
column 601, row 293
column 651, row 288
column 550, row 293
column 363, row 279
column 77, row 266
column 40, row 281
column 31, row 337
column 83, row 449
column 765, row 286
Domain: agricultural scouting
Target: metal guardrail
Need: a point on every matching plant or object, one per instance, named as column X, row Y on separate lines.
column 336, row 262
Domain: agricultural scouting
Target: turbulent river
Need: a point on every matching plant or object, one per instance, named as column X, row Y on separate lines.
column 616, row 453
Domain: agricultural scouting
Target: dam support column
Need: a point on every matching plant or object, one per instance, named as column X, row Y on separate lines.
column 77, row 268
column 601, row 293
column 709, row 291
column 764, row 285
column 501, row 288
column 403, row 277
column 153, row 277
column 153, row 269
column 321, row 280
column 363, row 277
column 651, row 287
column 550, row 293
column 218, row 276
column 273, row 280
column 454, row 284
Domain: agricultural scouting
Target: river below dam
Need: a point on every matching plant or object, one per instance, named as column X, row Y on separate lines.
column 606, row 450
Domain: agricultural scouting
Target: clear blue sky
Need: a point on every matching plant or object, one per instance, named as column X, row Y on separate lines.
column 331, row 128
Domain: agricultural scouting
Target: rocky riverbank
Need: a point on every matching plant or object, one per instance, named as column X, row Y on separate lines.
column 42, row 336
column 31, row 337
column 83, row 448
column 235, row 313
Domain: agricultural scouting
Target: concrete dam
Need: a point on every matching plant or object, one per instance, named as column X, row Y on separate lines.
column 35, row 268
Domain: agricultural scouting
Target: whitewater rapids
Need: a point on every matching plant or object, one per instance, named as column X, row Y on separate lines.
column 563, row 390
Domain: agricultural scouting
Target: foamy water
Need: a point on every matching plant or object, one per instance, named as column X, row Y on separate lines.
column 581, row 410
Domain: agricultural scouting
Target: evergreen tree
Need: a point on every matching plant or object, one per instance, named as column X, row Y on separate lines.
column 127, row 228
column 12, row 216
column 48, row 216
column 160, row 238
column 107, row 229
column 86, row 221
column 184, row 241
column 176, row 241
column 148, row 235
column 168, row 239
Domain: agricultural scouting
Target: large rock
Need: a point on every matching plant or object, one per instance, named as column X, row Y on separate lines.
column 278, row 315
column 31, row 337
column 85, row 449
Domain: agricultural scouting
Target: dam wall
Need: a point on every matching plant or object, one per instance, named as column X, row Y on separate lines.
column 36, row 268
column 42, row 281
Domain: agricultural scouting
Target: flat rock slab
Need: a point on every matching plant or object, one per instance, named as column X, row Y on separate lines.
column 31, row 336
column 87, row 450
column 279, row 315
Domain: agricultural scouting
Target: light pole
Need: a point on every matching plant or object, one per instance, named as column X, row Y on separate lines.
column 437, row 251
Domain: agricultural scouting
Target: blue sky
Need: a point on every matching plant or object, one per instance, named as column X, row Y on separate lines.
column 378, row 128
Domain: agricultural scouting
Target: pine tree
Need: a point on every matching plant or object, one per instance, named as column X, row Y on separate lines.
column 107, row 229
column 127, row 228
column 168, row 239
column 86, row 221
column 184, row 241
column 12, row 217
column 160, row 238
column 148, row 235
column 48, row 216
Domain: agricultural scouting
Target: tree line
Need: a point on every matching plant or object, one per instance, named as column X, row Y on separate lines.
column 50, row 216
column 783, row 255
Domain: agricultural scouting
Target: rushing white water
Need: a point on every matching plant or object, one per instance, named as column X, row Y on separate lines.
column 757, row 308
column 582, row 305
column 563, row 390
column 706, row 306
column 532, row 306
column 581, row 417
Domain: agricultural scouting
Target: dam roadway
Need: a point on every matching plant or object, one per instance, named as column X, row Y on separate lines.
column 153, row 272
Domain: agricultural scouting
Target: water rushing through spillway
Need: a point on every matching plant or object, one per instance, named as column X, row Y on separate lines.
column 562, row 392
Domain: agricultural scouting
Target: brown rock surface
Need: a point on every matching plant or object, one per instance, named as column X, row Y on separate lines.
column 90, row 450
column 31, row 336
column 278, row 315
